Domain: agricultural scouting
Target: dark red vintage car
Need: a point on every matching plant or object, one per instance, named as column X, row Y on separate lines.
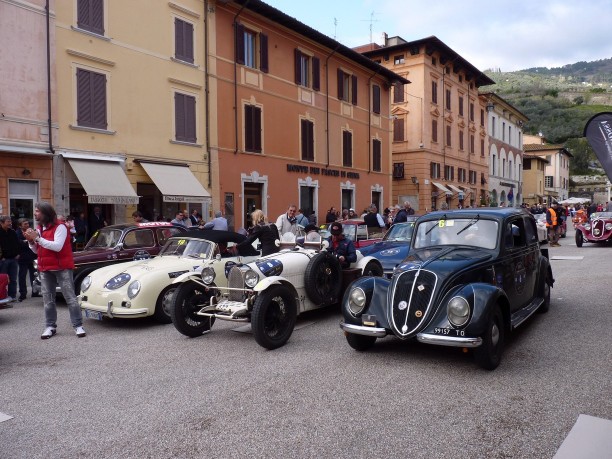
column 118, row 243
column 357, row 231
column 597, row 229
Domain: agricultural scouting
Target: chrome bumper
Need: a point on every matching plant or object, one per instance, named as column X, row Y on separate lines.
column 451, row 341
column 362, row 330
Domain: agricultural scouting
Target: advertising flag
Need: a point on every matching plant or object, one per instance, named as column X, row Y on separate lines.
column 598, row 132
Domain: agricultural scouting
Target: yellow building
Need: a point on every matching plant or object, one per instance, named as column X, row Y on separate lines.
column 131, row 86
column 440, row 140
column 533, row 178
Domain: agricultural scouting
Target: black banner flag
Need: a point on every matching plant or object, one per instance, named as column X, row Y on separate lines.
column 598, row 132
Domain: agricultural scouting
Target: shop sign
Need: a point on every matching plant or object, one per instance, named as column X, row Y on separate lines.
column 177, row 198
column 314, row 170
column 100, row 199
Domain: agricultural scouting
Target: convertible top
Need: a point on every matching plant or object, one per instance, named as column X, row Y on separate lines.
column 216, row 236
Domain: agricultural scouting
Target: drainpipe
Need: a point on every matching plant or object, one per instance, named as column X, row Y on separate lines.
column 327, row 101
column 49, row 121
column 236, row 77
column 370, row 124
column 206, row 92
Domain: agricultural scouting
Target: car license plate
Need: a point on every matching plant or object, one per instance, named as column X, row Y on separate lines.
column 93, row 314
column 448, row 332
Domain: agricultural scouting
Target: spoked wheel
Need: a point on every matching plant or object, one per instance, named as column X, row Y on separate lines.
column 323, row 279
column 189, row 298
column 360, row 342
column 163, row 305
column 488, row 354
column 273, row 318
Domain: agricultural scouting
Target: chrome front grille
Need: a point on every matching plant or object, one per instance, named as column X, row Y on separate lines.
column 412, row 295
column 235, row 280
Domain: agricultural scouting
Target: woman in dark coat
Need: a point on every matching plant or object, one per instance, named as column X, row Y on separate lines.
column 267, row 234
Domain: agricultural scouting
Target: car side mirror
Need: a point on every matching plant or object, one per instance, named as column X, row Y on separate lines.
column 119, row 246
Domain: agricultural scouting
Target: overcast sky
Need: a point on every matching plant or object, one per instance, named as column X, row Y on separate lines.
column 511, row 35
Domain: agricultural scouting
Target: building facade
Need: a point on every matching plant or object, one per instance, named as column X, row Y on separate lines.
column 533, row 178
column 556, row 172
column 298, row 117
column 505, row 130
column 28, row 105
column 439, row 124
column 132, row 117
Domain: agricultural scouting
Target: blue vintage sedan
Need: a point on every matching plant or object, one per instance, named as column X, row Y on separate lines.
column 393, row 248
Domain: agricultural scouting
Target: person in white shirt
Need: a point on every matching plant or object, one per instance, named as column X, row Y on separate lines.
column 287, row 222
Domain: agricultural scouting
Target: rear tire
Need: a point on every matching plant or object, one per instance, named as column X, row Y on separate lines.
column 360, row 342
column 546, row 305
column 579, row 238
column 273, row 317
column 373, row 269
column 323, row 279
column 189, row 298
column 488, row 355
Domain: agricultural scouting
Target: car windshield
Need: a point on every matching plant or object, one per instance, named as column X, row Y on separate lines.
column 606, row 215
column 104, row 238
column 400, row 232
column 192, row 248
column 475, row 232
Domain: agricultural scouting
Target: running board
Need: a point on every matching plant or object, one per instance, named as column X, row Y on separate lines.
column 522, row 315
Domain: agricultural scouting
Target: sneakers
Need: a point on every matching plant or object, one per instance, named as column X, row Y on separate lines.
column 80, row 332
column 48, row 333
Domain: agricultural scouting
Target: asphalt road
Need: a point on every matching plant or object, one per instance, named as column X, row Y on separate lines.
column 135, row 389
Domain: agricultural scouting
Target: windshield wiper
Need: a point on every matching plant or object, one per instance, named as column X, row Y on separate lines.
column 434, row 226
column 473, row 221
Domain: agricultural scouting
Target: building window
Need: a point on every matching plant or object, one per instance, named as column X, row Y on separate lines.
column 449, row 173
column 461, row 177
column 460, row 140
column 248, row 43
column 460, row 105
column 347, row 87
column 398, row 130
column 482, row 148
column 503, row 165
column 548, row 181
column 510, row 171
column 472, row 146
column 434, row 92
column 448, row 136
column 492, row 126
column 473, row 175
column 493, row 168
column 510, row 135
column 183, row 40
column 434, row 170
column 307, row 70
column 90, row 16
column 91, row 99
column 376, row 99
column 527, row 164
column 448, row 99
column 376, row 155
column 482, row 117
column 307, row 131
column 185, row 117
column 397, row 60
column 347, row 149
column 398, row 170
column 398, row 93
column 504, row 131
column 252, row 128
column 434, row 130
column 472, row 112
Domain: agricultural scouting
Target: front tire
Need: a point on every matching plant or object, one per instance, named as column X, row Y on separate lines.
column 488, row 355
column 189, row 298
column 360, row 342
column 323, row 279
column 579, row 238
column 373, row 269
column 546, row 305
column 273, row 317
column 164, row 305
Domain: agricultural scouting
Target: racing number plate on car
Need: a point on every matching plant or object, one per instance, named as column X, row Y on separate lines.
column 93, row 314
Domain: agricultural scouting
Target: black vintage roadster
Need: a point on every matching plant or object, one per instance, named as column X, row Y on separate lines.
column 472, row 277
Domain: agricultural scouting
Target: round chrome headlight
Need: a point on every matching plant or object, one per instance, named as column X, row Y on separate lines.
column 608, row 226
column 458, row 311
column 587, row 226
column 118, row 281
column 86, row 283
column 208, row 275
column 251, row 278
column 357, row 301
column 133, row 289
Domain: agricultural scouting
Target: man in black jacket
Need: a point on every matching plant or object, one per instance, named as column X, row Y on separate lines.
column 9, row 246
column 26, row 260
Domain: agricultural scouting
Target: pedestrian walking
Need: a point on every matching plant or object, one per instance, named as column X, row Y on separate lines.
column 9, row 254
column 26, row 260
column 51, row 242
column 552, row 221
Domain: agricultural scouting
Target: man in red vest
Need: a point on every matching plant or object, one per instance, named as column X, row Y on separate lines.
column 51, row 242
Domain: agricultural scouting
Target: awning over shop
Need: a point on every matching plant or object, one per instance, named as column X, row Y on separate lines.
column 454, row 188
column 442, row 187
column 176, row 183
column 104, row 182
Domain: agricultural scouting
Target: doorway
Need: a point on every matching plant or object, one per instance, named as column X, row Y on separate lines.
column 307, row 195
column 252, row 201
column 347, row 200
column 23, row 195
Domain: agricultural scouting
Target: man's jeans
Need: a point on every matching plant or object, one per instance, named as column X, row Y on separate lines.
column 49, row 280
column 24, row 269
column 9, row 266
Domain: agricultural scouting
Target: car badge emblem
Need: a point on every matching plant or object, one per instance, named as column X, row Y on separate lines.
column 402, row 305
column 404, row 329
column 420, row 288
column 419, row 314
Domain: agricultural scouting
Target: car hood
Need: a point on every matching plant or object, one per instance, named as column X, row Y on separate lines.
column 445, row 260
column 96, row 254
column 389, row 253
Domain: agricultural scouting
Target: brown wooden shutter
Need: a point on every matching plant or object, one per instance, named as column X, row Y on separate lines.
column 190, row 119
column 340, row 84
column 99, row 100
column 432, row 172
column 354, row 88
column 398, row 130
column 179, row 116
column 398, row 92
column 188, row 42
column 304, row 129
column 376, row 155
column 257, row 129
column 263, row 52
column 316, row 74
column 83, row 98
column 178, row 38
column 376, row 98
column 434, row 130
column 298, row 66
column 248, row 128
column 239, row 38
column 83, row 14
column 97, row 16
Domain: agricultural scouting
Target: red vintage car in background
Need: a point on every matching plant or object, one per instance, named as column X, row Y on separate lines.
column 597, row 229
column 357, row 231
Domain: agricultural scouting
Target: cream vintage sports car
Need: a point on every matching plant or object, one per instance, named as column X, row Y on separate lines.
column 144, row 288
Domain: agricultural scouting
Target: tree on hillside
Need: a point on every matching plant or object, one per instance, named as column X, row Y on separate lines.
column 583, row 154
